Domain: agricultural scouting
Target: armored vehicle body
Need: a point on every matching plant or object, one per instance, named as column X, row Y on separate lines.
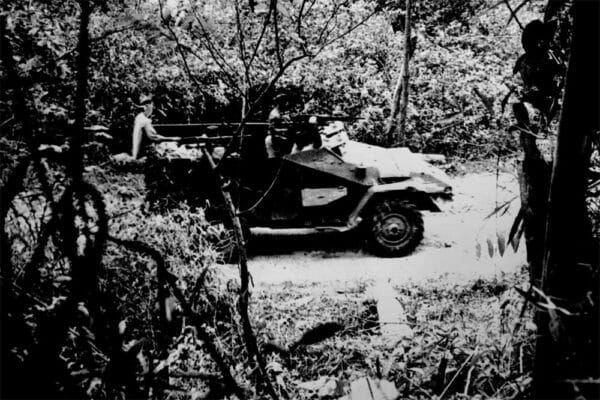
column 339, row 186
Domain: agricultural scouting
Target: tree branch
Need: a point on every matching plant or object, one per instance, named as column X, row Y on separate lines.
column 111, row 32
column 198, row 322
column 277, row 40
column 348, row 31
column 81, row 93
column 262, row 33
column 216, row 55
column 244, row 294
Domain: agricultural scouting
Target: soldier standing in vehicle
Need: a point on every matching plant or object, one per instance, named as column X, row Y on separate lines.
column 308, row 137
column 276, row 140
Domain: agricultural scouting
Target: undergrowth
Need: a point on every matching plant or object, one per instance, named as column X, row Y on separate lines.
column 471, row 340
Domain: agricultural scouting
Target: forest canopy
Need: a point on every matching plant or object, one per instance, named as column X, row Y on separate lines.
column 348, row 54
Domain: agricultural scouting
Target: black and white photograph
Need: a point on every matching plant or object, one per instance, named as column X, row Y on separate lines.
column 300, row 199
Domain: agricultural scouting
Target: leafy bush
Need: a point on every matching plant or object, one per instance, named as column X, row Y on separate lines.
column 469, row 339
column 459, row 47
column 128, row 287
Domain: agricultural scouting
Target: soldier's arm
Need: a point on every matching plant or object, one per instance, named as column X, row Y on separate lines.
column 155, row 137
column 136, row 138
column 151, row 133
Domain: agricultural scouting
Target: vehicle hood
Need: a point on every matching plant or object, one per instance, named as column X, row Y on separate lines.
column 397, row 162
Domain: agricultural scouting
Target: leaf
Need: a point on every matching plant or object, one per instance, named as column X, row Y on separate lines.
column 83, row 309
column 517, row 239
column 530, row 326
column 554, row 325
column 515, row 228
column 490, row 247
column 281, row 382
column 318, row 334
column 325, row 387
column 122, row 327
column 313, row 386
column 282, row 10
column 332, row 388
column 501, row 244
column 296, row 38
column 275, row 367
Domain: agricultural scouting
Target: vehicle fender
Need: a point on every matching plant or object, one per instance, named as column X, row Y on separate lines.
column 421, row 200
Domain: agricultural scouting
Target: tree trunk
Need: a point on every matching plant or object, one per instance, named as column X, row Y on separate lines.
column 401, row 91
column 405, row 71
column 567, row 345
column 83, row 58
column 244, row 294
column 534, row 182
column 393, row 122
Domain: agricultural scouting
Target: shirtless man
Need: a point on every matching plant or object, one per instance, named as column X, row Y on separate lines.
column 143, row 131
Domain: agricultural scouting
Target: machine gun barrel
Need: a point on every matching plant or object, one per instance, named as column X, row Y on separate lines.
column 205, row 140
column 322, row 119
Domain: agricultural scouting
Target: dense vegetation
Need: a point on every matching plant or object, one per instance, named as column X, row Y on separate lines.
column 458, row 49
column 160, row 318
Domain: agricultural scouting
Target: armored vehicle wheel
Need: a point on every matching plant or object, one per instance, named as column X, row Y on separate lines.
column 394, row 228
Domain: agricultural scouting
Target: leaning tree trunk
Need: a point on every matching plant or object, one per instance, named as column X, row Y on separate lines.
column 244, row 292
column 534, row 182
column 400, row 99
column 566, row 359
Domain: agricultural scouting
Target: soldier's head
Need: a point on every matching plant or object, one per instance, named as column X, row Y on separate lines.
column 536, row 37
column 147, row 104
column 281, row 101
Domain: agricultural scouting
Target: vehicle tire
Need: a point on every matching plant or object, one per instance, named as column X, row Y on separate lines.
column 394, row 228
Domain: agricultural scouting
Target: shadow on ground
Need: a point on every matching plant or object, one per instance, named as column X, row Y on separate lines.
column 329, row 243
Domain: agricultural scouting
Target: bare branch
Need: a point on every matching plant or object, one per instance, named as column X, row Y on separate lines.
column 215, row 53
column 334, row 13
column 233, row 84
column 262, row 33
column 182, row 49
column 512, row 13
column 516, row 10
column 244, row 294
column 171, row 279
column 179, row 46
column 308, row 11
column 347, row 32
column 299, row 19
column 242, row 49
column 277, row 40
column 488, row 102
column 76, row 157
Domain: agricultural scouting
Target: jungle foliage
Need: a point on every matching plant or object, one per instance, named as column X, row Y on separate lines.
column 150, row 313
column 162, row 48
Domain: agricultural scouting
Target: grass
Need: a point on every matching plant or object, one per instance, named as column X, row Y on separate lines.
column 470, row 340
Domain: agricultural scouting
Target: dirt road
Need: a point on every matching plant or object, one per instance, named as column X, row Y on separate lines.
column 448, row 251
